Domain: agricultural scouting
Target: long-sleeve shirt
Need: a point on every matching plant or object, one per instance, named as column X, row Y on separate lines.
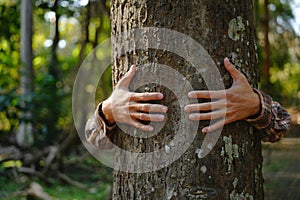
column 272, row 122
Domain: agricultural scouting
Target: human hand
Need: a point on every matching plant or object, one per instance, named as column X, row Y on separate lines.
column 236, row 103
column 128, row 107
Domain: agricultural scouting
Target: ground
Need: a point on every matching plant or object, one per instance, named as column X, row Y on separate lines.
column 281, row 173
column 282, row 169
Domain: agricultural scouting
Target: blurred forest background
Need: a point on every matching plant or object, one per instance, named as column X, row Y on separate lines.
column 41, row 155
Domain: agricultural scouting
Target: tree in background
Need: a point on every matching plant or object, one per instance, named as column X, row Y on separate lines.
column 25, row 132
column 266, row 49
column 75, row 29
column 277, row 46
column 57, row 50
column 232, row 170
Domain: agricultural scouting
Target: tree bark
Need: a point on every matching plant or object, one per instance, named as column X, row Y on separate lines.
column 266, row 48
column 25, row 132
column 233, row 169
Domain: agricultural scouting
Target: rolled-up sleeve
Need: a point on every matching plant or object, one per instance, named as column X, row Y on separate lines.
column 273, row 120
column 96, row 130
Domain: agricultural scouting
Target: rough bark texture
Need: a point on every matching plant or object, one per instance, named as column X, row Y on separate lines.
column 233, row 169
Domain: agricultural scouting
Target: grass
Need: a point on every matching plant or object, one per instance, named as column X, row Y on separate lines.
column 63, row 191
column 57, row 190
column 91, row 173
column 8, row 187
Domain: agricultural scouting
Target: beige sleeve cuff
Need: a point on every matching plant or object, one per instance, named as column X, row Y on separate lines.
column 96, row 129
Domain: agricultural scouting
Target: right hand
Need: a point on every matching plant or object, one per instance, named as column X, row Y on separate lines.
column 129, row 108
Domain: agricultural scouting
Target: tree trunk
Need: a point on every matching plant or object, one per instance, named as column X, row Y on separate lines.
column 25, row 133
column 233, row 167
column 266, row 48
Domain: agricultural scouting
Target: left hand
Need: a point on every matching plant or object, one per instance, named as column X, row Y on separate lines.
column 128, row 107
column 236, row 103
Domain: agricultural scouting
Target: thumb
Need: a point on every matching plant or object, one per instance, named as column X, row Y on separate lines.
column 234, row 73
column 126, row 79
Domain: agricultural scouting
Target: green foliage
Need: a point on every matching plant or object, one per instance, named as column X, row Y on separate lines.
column 8, row 187
column 281, row 31
column 287, row 81
column 51, row 100
column 283, row 42
column 9, row 106
column 98, row 183
column 10, row 15
column 9, row 60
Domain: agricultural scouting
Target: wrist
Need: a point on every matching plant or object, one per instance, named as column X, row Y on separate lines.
column 105, row 111
column 257, row 107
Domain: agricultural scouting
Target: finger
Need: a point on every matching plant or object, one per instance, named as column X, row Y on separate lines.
column 148, row 117
column 125, row 80
column 214, row 126
column 234, row 73
column 205, row 106
column 147, row 96
column 149, row 108
column 206, row 94
column 141, row 126
column 207, row 116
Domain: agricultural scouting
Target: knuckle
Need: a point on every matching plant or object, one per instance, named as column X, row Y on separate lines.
column 145, row 107
column 131, row 107
column 199, row 107
column 126, row 75
column 132, row 115
column 143, row 116
column 207, row 106
column 131, row 96
column 143, row 97
column 229, row 94
column 196, row 116
column 191, row 108
column 205, row 116
column 197, row 94
column 194, row 94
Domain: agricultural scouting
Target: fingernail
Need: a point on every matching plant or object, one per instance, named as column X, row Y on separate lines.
column 191, row 94
column 226, row 60
column 204, row 130
column 187, row 109
column 160, row 96
column 165, row 109
column 132, row 67
column 161, row 117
